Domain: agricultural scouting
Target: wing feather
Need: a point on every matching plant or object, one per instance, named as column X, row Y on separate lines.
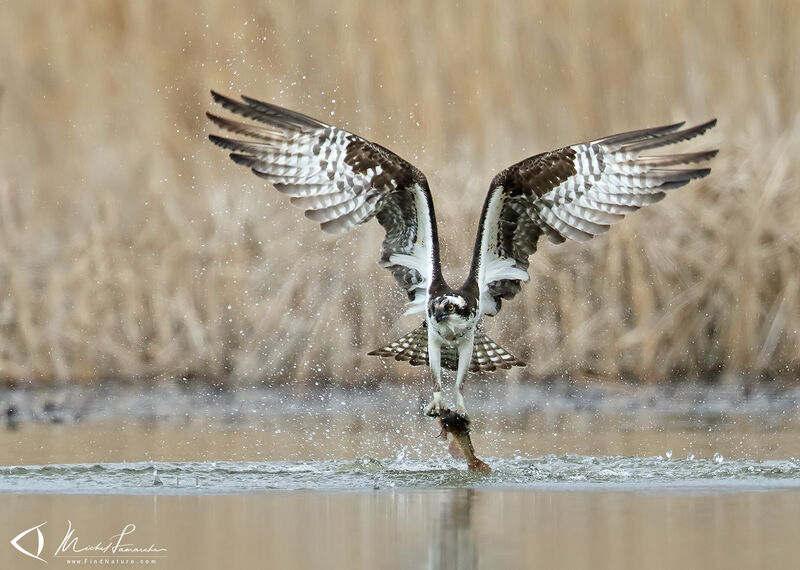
column 341, row 180
column 576, row 193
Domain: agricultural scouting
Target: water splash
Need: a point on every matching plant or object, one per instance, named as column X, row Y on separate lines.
column 367, row 473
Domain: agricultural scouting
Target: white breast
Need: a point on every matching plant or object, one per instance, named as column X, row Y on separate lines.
column 452, row 330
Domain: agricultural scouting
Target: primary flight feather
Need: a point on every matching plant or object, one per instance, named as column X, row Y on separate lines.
column 342, row 180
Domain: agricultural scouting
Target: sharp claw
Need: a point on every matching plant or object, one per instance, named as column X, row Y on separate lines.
column 432, row 410
column 461, row 409
column 435, row 406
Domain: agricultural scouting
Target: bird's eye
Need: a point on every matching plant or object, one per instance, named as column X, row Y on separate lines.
column 450, row 307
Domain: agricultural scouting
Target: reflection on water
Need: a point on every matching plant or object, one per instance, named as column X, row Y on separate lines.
column 454, row 544
column 458, row 528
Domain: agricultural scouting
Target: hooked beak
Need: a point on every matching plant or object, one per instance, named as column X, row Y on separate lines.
column 440, row 315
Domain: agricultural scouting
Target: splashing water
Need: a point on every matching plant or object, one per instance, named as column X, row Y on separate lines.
column 566, row 472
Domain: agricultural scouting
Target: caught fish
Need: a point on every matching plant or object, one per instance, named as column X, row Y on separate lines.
column 457, row 426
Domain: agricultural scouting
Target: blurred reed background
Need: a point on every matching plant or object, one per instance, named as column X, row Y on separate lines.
column 130, row 247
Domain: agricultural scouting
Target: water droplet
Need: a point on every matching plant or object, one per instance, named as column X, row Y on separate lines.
column 718, row 458
column 668, row 454
column 690, row 457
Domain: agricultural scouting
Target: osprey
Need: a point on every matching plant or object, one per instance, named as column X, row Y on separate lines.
column 342, row 180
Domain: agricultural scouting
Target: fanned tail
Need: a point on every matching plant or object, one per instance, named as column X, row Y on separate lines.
column 411, row 347
column 487, row 355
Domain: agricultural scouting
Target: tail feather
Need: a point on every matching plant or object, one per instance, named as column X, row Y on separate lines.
column 487, row 355
column 411, row 347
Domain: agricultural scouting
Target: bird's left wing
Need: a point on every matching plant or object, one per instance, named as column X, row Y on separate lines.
column 573, row 193
column 340, row 180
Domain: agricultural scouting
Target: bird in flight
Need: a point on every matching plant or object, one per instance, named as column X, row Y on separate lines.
column 342, row 180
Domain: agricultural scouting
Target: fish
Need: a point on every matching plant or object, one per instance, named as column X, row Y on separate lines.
column 457, row 426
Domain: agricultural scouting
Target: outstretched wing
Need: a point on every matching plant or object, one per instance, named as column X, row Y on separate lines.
column 340, row 180
column 573, row 193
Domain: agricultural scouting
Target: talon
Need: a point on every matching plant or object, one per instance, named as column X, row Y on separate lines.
column 461, row 408
column 435, row 407
column 432, row 411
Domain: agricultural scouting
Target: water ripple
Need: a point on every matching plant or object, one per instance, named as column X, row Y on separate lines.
column 566, row 472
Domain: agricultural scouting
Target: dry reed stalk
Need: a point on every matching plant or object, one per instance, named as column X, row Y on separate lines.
column 131, row 248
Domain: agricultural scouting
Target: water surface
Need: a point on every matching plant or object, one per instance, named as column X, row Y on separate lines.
column 571, row 472
column 651, row 478
column 461, row 528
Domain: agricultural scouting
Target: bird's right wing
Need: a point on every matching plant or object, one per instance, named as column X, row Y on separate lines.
column 340, row 180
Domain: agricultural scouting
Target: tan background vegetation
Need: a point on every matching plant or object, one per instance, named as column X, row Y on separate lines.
column 130, row 247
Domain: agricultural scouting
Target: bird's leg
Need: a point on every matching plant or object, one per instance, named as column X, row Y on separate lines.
column 464, row 359
column 435, row 362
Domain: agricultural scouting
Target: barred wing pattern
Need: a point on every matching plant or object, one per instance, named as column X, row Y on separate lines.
column 487, row 355
column 340, row 180
column 574, row 193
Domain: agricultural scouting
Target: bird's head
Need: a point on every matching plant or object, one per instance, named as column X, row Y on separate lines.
column 451, row 306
